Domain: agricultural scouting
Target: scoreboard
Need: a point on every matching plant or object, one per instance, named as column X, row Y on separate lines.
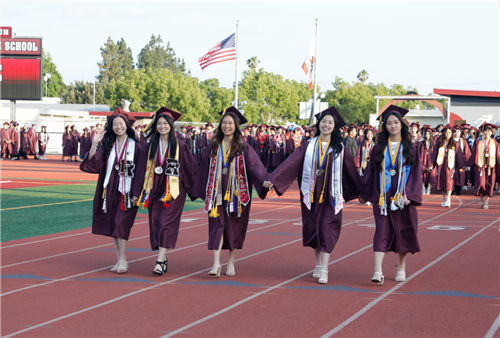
column 20, row 68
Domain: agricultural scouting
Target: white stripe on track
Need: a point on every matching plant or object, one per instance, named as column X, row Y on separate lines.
column 493, row 329
column 133, row 239
column 399, row 285
column 135, row 293
column 133, row 261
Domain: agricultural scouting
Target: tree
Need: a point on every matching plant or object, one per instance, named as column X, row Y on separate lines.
column 252, row 63
column 156, row 56
column 149, row 89
column 363, row 76
column 219, row 97
column 55, row 84
column 116, row 60
column 83, row 93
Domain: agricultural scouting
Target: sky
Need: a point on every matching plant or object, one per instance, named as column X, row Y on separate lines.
column 446, row 45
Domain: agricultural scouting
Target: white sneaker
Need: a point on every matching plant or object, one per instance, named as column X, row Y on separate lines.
column 464, row 188
column 423, row 191
column 429, row 191
column 368, row 203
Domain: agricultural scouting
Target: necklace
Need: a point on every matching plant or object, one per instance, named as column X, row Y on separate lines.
column 226, row 157
column 321, row 157
column 122, row 150
column 394, row 158
column 161, row 157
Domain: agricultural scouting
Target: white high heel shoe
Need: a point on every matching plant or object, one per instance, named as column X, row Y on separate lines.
column 316, row 275
column 323, row 280
column 378, row 277
column 400, row 276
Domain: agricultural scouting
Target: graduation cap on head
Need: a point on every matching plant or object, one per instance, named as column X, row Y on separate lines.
column 394, row 109
column 209, row 124
column 448, row 126
column 83, row 128
column 92, row 127
column 465, row 126
column 332, row 110
column 6, row 123
column 120, row 112
column 98, row 124
column 417, row 124
column 168, row 112
column 235, row 112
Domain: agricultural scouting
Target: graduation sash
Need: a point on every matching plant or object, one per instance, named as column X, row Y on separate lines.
column 451, row 156
column 481, row 158
column 237, row 188
column 309, row 176
column 365, row 155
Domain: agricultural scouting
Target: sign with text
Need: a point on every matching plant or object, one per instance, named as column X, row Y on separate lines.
column 20, row 78
column 21, row 46
column 5, row 32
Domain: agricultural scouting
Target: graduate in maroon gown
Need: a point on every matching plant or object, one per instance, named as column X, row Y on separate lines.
column 394, row 186
column 206, row 136
column 196, row 149
column 75, row 140
column 43, row 139
column 327, row 178
column 485, row 163
column 228, row 170
column 261, row 140
column 464, row 148
column 32, row 142
column 66, row 143
column 295, row 140
column 170, row 174
column 6, row 141
column 16, row 140
column 277, row 148
column 24, row 142
column 121, row 163
column 426, row 147
column 85, row 142
column 363, row 155
column 450, row 159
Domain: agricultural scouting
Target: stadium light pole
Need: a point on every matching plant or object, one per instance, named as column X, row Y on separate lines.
column 46, row 78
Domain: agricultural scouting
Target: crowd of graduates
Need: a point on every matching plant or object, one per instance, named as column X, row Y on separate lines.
column 157, row 167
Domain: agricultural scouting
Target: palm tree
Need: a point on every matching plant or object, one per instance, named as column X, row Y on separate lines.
column 363, row 76
column 252, row 63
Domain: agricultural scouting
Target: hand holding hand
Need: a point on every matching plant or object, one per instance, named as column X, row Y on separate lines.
column 267, row 184
column 134, row 200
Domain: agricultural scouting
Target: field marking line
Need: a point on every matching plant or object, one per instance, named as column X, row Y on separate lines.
column 493, row 329
column 44, row 205
column 132, row 261
column 136, row 292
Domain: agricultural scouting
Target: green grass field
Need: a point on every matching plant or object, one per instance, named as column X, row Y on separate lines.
column 38, row 221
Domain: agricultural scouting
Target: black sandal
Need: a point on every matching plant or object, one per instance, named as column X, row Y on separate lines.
column 163, row 266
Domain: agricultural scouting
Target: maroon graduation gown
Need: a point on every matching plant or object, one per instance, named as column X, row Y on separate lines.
column 75, row 138
column 460, row 173
column 66, row 143
column 43, row 139
column 425, row 158
column 32, row 142
column 196, row 149
column 261, row 140
column 398, row 230
column 445, row 176
column 85, row 144
column 24, row 141
column 6, row 144
column 232, row 227
column 484, row 183
column 164, row 222
column 16, row 140
column 320, row 225
column 276, row 154
column 358, row 161
column 115, row 222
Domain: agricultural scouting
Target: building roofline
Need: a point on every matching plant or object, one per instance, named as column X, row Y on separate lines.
column 455, row 92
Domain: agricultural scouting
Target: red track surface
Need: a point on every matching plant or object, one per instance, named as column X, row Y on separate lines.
column 452, row 287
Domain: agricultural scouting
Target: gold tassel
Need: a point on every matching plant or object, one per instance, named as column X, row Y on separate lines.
column 214, row 213
column 312, row 196
column 380, row 200
column 321, row 197
column 104, row 193
column 241, row 209
column 226, row 196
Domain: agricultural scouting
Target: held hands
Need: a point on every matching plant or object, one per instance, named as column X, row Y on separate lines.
column 267, row 184
column 134, row 200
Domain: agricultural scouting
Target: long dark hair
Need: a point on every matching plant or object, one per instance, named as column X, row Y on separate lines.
column 365, row 132
column 442, row 139
column 110, row 136
column 335, row 138
column 383, row 138
column 236, row 143
column 431, row 144
column 154, row 137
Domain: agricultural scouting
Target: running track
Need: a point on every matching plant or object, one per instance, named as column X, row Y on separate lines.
column 60, row 286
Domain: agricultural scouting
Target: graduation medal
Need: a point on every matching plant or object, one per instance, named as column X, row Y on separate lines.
column 320, row 172
column 392, row 172
column 162, row 154
column 226, row 158
column 122, row 153
column 158, row 170
column 486, row 155
column 394, row 158
column 321, row 157
column 117, row 167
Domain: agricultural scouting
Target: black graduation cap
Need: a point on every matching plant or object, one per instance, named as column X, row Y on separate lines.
column 235, row 112
column 169, row 112
column 394, row 109
column 335, row 113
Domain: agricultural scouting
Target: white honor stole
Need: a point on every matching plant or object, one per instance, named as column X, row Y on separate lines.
column 125, row 181
column 309, row 176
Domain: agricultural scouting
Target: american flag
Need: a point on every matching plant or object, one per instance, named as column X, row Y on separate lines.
column 222, row 51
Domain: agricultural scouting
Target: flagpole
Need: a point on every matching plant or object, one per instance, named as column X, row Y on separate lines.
column 315, row 107
column 236, row 67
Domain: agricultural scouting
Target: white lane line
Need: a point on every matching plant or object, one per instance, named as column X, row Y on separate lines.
column 130, row 240
column 399, row 285
column 135, row 293
column 493, row 329
column 133, row 261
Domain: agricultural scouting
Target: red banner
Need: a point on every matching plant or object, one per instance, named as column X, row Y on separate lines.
column 21, row 46
column 6, row 32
